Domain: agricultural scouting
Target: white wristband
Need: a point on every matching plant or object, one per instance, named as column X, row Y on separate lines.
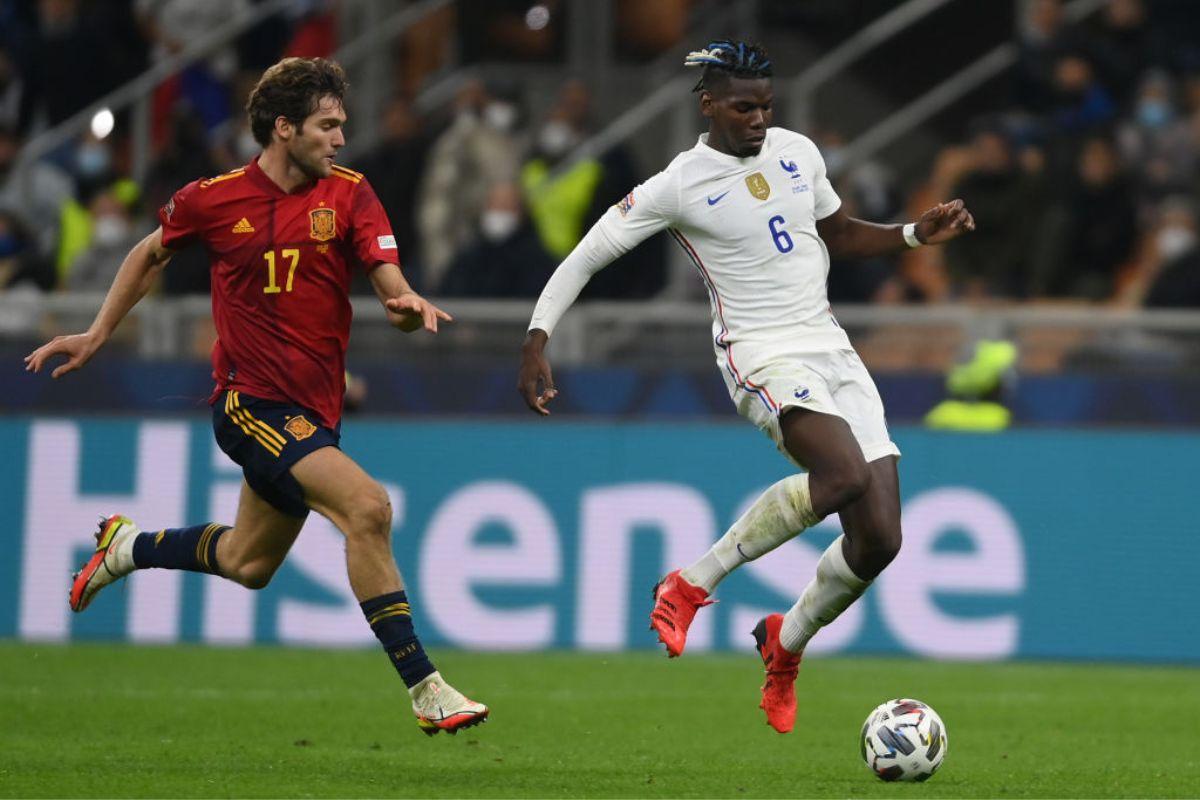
column 910, row 235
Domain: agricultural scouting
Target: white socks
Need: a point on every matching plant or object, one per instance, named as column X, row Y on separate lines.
column 782, row 511
column 830, row 593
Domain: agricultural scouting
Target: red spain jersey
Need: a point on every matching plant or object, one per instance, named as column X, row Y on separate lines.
column 281, row 269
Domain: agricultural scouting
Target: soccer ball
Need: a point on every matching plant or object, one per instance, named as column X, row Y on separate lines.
column 903, row 740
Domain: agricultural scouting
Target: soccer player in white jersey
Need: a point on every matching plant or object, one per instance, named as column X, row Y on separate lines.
column 754, row 210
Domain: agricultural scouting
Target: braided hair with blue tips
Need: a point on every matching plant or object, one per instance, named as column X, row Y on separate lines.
column 724, row 59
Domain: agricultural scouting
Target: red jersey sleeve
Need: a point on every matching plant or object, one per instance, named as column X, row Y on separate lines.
column 370, row 232
column 180, row 217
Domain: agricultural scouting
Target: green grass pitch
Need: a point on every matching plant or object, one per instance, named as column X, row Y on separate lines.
column 125, row 721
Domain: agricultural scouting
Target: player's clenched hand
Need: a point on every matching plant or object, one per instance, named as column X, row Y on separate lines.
column 78, row 348
column 944, row 222
column 410, row 311
column 535, row 370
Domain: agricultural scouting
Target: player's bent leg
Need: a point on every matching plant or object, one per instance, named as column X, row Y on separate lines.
column 248, row 553
column 777, row 515
column 260, row 540
column 825, row 445
column 839, row 478
column 339, row 489
column 872, row 523
column 871, row 539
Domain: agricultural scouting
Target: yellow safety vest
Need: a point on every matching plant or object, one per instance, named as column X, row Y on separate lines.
column 557, row 207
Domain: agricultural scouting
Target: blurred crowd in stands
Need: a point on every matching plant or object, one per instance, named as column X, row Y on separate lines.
column 1085, row 180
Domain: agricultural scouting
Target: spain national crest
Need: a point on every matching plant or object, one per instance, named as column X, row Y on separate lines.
column 321, row 224
column 298, row 426
column 758, row 186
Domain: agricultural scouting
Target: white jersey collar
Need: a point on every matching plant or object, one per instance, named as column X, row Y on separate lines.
column 734, row 161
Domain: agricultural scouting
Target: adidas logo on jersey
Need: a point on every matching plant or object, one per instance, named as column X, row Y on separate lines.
column 243, row 226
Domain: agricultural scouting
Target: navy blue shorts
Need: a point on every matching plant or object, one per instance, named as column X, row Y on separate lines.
column 266, row 438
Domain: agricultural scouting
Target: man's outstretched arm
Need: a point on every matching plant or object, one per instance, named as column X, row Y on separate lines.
column 137, row 274
column 847, row 237
column 406, row 309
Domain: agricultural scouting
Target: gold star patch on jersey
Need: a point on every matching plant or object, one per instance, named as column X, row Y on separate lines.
column 758, row 186
column 321, row 224
column 300, row 428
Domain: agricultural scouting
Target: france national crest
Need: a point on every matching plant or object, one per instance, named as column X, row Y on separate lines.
column 758, row 186
column 798, row 183
column 321, row 224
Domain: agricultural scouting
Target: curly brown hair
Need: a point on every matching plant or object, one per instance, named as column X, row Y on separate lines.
column 292, row 89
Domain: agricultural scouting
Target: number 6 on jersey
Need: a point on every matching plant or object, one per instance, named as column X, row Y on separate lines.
column 783, row 242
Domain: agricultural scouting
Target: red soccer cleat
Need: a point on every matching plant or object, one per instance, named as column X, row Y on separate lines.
column 111, row 561
column 675, row 604
column 779, row 692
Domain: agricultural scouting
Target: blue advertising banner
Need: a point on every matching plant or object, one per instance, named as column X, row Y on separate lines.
column 546, row 534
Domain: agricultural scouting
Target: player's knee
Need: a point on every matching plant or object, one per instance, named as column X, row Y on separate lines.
column 848, row 482
column 881, row 547
column 371, row 516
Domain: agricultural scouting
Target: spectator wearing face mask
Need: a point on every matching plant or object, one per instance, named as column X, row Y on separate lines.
column 1170, row 274
column 479, row 149
column 508, row 259
column 112, row 235
column 566, row 198
column 1173, row 272
column 1158, row 141
column 92, row 165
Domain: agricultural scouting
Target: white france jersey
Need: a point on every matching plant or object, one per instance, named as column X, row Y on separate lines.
column 749, row 227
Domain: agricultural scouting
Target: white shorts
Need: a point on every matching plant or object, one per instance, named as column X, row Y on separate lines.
column 833, row 382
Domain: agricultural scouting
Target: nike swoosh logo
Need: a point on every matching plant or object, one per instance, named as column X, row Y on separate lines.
column 712, row 201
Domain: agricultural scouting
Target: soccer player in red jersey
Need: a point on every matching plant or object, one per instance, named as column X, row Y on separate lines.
column 285, row 233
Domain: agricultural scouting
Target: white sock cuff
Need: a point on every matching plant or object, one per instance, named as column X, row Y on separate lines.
column 836, row 559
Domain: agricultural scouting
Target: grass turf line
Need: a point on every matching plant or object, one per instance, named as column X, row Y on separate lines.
column 125, row 721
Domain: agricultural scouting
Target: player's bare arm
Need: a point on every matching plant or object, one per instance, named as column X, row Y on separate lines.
column 137, row 274
column 847, row 237
column 406, row 309
column 535, row 372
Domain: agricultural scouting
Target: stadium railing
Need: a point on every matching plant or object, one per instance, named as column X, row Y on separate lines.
column 1052, row 339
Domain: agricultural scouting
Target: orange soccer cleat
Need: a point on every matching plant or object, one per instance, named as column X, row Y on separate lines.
column 112, row 560
column 779, row 691
column 675, row 604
